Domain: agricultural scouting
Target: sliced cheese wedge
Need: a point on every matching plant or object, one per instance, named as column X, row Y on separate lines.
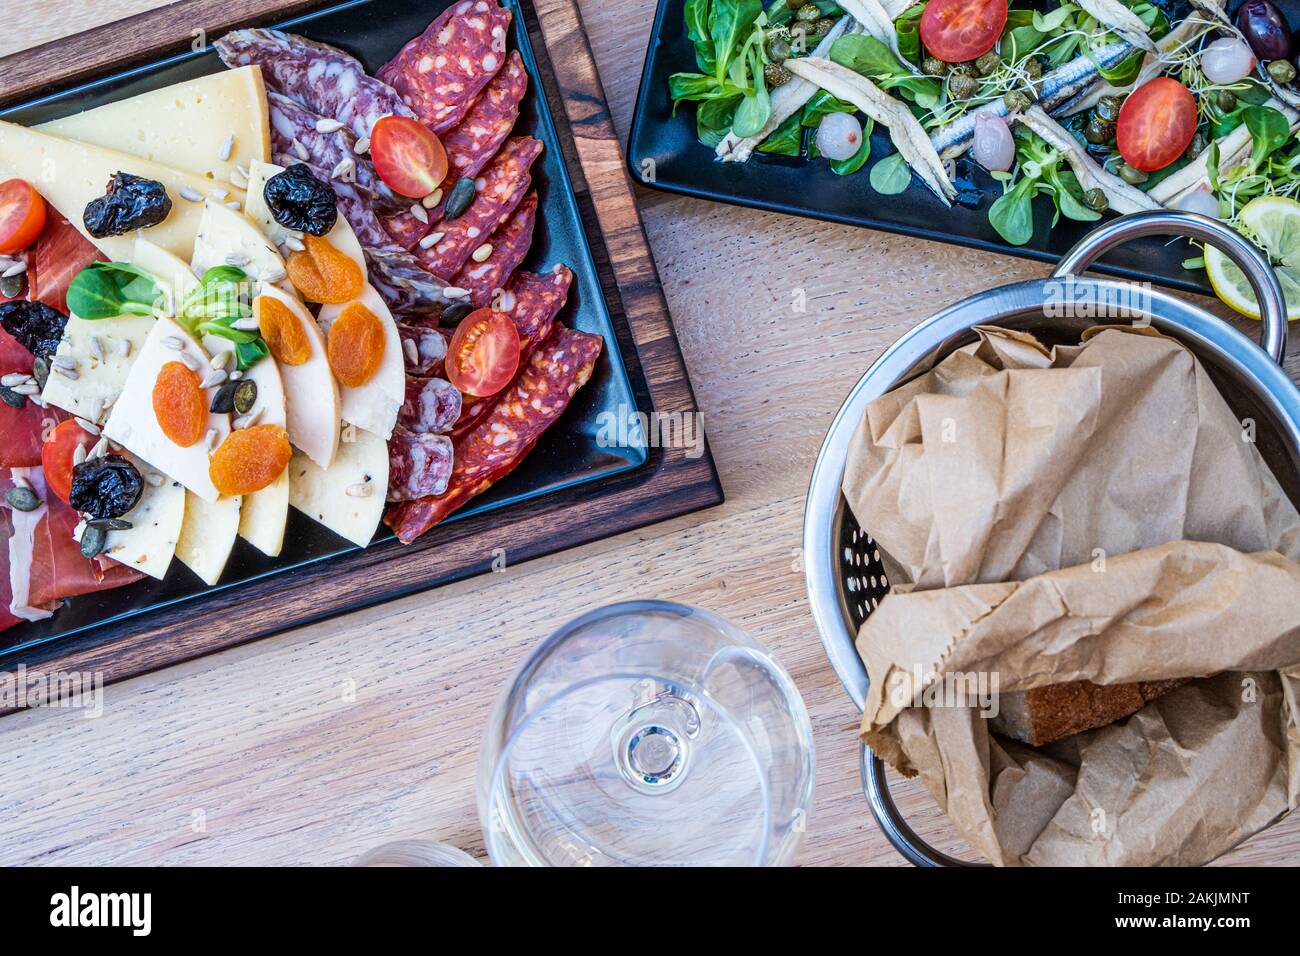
column 150, row 543
column 310, row 392
column 342, row 237
column 104, row 351
column 226, row 237
column 208, row 535
column 70, row 174
column 374, row 405
column 175, row 277
column 134, row 425
column 185, row 126
column 348, row 497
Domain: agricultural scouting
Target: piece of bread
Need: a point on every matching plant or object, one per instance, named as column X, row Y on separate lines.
column 1044, row 714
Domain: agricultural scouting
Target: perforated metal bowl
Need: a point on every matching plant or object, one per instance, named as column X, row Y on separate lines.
column 846, row 580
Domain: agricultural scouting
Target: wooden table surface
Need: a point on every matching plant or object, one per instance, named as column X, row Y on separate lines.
column 316, row 745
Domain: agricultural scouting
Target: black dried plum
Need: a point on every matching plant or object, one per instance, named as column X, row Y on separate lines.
column 37, row 326
column 131, row 202
column 105, row 487
column 300, row 201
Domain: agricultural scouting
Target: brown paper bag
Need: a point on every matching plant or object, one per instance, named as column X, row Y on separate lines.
column 1083, row 513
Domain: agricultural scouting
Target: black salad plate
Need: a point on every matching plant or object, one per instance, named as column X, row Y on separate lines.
column 664, row 153
column 569, row 453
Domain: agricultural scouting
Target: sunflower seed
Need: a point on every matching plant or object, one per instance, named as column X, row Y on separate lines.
column 173, row 342
column 155, row 480
column 27, row 388
column 454, row 292
column 249, row 420
column 97, row 347
column 276, row 275
column 86, row 426
column 360, row 490
column 236, row 375
column 325, row 125
column 21, row 482
column 362, row 146
column 238, row 178
column 482, row 253
column 432, row 200
column 17, row 269
column 227, row 147
column 431, row 240
column 15, row 378
column 420, row 213
column 346, row 166
column 62, row 361
column 299, row 150
column 220, row 193
column 233, row 204
column 71, row 373
column 210, row 439
column 221, row 359
column 412, row 352
column 189, row 362
column 296, row 245
column 237, row 259
column 249, row 324
column 215, row 377
column 506, row 302
column 192, row 195
column 79, row 454
column 100, row 449
column 124, row 347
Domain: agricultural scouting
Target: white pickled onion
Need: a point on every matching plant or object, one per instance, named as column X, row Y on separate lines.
column 1227, row 60
column 839, row 136
column 993, row 146
column 1199, row 200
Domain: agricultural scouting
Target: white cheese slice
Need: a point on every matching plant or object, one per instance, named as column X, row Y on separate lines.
column 150, row 543
column 263, row 514
column 133, row 424
column 342, row 237
column 21, row 546
column 226, row 237
column 374, row 405
column 208, row 535
column 175, row 277
column 337, row 497
column 310, row 392
column 70, row 174
column 104, row 351
column 185, row 125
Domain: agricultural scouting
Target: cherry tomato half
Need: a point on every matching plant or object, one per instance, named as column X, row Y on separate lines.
column 1156, row 124
column 408, row 156
column 959, row 30
column 22, row 215
column 484, row 353
column 57, row 452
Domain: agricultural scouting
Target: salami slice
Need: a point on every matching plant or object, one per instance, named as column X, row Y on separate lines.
column 478, row 137
column 405, row 229
column 557, row 369
column 501, row 188
column 509, row 244
column 294, row 132
column 426, row 351
column 432, row 405
column 442, row 71
column 418, row 464
column 321, row 77
column 405, row 285
column 534, row 301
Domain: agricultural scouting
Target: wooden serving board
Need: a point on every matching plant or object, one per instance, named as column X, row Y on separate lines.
column 669, row 485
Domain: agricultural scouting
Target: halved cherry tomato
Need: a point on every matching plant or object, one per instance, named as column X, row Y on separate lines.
column 408, row 156
column 22, row 215
column 1156, row 124
column 484, row 353
column 57, row 452
column 959, row 30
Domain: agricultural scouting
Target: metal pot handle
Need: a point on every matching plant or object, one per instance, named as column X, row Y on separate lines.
column 1160, row 222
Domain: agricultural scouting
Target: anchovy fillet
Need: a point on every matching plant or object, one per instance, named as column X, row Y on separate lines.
column 904, row 128
column 1056, row 88
column 896, row 8
column 787, row 99
column 1122, row 197
column 878, row 23
column 1119, row 19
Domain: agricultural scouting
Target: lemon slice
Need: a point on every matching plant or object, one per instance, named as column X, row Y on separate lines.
column 1274, row 222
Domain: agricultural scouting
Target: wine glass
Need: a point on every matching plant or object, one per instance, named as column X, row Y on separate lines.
column 647, row 734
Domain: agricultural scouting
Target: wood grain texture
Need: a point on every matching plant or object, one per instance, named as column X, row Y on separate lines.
column 315, row 745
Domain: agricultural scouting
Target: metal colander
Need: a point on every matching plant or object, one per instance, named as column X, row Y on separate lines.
column 846, row 578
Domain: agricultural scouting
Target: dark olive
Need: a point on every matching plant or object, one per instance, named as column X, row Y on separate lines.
column 1264, row 28
column 458, row 200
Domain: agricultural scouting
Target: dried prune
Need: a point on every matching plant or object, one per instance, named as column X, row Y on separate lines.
column 300, row 201
column 37, row 326
column 106, row 487
column 131, row 202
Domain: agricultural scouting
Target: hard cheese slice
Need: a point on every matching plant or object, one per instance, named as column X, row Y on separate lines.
column 227, row 238
column 348, row 497
column 374, row 405
column 185, row 126
column 150, row 543
column 70, row 174
column 311, row 394
column 104, row 351
column 208, row 535
column 341, row 237
column 134, row 425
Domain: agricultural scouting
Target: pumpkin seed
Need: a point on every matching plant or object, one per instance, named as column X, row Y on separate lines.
column 22, row 499
column 245, row 396
column 455, row 314
column 41, row 371
column 11, row 287
column 93, row 540
column 110, row 524
column 11, row 398
column 462, row 194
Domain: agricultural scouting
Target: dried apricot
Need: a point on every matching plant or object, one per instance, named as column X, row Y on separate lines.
column 324, row 274
column 356, row 345
column 179, row 405
column 250, row 459
column 282, row 330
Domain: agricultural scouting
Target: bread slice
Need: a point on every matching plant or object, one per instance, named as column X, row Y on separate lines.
column 1044, row 714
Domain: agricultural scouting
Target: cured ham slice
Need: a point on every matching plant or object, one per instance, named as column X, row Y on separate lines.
column 54, row 261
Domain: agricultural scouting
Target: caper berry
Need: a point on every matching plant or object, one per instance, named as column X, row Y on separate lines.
column 809, row 13
column 1131, row 175
column 1282, row 71
column 22, row 499
column 1099, row 131
column 93, row 540
column 778, row 49
column 1226, row 101
column 1197, row 145
column 776, row 75
column 1017, row 101
column 1108, row 107
column 1033, row 67
column 1095, row 199
column 989, row 62
column 962, row 69
column 961, row 86
column 934, row 66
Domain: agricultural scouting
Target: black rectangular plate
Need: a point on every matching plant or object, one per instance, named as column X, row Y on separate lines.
column 568, row 455
column 664, row 153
